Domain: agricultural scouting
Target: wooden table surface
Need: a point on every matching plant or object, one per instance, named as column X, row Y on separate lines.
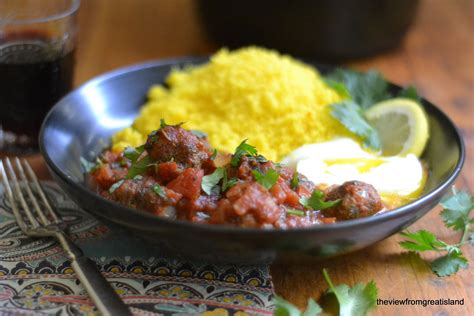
column 437, row 56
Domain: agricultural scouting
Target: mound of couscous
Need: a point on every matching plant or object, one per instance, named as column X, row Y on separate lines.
column 274, row 101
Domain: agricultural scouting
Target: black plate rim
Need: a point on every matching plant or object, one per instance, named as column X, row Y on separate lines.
column 208, row 228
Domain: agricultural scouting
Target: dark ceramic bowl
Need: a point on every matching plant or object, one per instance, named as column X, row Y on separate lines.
column 80, row 125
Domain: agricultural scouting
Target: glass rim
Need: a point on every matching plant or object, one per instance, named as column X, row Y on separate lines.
column 70, row 10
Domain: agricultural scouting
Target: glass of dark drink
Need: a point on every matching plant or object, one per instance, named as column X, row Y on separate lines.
column 37, row 41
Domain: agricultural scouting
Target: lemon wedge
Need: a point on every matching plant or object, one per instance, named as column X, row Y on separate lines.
column 402, row 126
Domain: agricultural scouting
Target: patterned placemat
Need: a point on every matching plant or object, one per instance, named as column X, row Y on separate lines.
column 36, row 278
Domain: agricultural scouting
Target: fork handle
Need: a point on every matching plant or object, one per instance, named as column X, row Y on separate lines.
column 108, row 302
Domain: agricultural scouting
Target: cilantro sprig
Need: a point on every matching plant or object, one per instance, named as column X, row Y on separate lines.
column 133, row 153
column 268, row 179
column 243, row 149
column 285, row 308
column 455, row 215
column 355, row 301
column 316, row 201
column 360, row 91
column 139, row 167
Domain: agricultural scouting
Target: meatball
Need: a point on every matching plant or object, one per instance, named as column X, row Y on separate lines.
column 173, row 143
column 358, row 199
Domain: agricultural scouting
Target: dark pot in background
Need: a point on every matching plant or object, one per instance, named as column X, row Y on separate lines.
column 322, row 29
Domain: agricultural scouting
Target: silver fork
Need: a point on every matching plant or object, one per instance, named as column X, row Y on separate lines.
column 37, row 218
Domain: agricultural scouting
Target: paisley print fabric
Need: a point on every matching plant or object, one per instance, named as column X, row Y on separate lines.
column 36, row 278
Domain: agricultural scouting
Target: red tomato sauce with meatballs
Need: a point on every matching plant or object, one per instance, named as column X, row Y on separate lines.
column 176, row 174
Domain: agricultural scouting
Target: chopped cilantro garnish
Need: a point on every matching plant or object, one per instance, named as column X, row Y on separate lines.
column 268, row 179
column 139, row 167
column 163, row 123
column 261, row 159
column 214, row 154
column 243, row 149
column 316, row 201
column 455, row 215
column 228, row 183
column 115, row 186
column 209, row 182
column 159, row 191
column 295, row 181
column 295, row 212
column 133, row 153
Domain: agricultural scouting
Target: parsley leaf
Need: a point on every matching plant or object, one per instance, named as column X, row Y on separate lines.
column 456, row 210
column 214, row 154
column 115, row 186
column 350, row 115
column 211, row 181
column 139, row 167
column 422, row 240
column 455, row 215
column 295, row 212
column 339, row 87
column 366, row 88
column 295, row 181
column 159, row 191
column 355, row 301
column 163, row 123
column 133, row 153
column 243, row 149
column 228, row 183
column 285, row 308
column 410, row 93
column 316, row 201
column 449, row 264
column 268, row 179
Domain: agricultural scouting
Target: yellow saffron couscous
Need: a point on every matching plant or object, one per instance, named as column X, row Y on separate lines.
column 274, row 101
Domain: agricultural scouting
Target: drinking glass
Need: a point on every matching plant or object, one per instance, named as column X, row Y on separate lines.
column 37, row 44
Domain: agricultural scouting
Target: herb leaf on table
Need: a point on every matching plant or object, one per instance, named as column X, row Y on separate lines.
column 456, row 211
column 285, row 308
column 355, row 301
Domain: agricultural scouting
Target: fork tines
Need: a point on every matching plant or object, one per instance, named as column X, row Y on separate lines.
column 25, row 193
